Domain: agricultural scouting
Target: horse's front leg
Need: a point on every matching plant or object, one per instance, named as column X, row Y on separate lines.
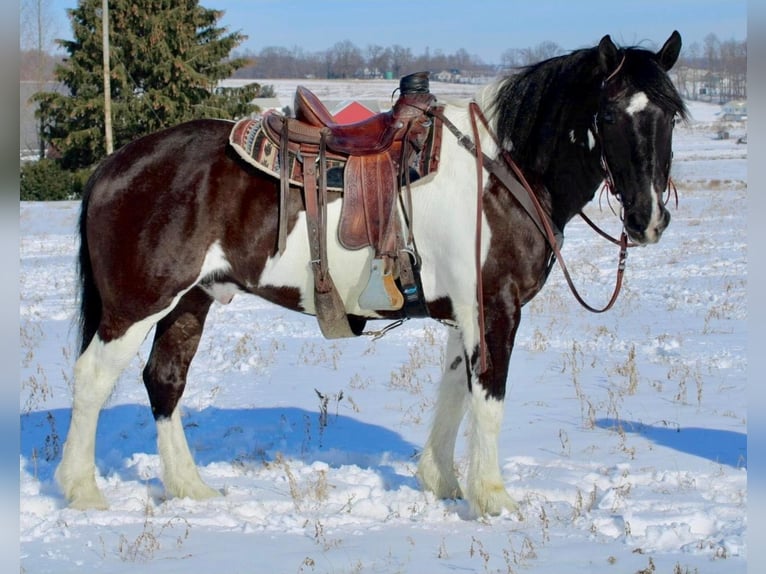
column 485, row 489
column 436, row 467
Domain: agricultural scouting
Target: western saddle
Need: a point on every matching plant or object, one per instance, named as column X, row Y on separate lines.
column 380, row 157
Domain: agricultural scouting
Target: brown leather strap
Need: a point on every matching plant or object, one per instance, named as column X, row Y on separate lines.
column 477, row 246
column 555, row 246
column 313, row 222
column 405, row 199
column 284, row 189
column 330, row 310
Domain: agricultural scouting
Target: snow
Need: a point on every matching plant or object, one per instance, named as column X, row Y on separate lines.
column 624, row 437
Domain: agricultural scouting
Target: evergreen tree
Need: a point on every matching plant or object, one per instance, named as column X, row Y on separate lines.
column 166, row 58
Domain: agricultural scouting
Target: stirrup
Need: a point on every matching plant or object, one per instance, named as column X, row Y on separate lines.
column 381, row 292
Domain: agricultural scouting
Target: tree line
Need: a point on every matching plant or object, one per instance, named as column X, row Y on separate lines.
column 713, row 71
column 345, row 60
column 713, row 67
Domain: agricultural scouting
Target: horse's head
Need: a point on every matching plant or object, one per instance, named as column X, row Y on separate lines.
column 637, row 110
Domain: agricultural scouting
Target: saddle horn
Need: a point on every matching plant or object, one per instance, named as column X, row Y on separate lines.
column 417, row 83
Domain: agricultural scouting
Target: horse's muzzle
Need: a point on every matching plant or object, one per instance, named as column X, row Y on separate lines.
column 647, row 233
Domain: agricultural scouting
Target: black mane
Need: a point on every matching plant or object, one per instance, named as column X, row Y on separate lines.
column 540, row 104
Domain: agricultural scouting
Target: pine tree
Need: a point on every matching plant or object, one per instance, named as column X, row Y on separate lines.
column 166, row 58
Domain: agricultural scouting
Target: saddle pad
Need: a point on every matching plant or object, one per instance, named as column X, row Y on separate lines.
column 252, row 144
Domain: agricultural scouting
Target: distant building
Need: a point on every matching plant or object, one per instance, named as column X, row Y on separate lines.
column 447, row 76
column 735, row 110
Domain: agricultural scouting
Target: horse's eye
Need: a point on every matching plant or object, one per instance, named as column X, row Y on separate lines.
column 607, row 116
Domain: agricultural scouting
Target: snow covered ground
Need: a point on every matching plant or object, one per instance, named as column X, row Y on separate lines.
column 624, row 437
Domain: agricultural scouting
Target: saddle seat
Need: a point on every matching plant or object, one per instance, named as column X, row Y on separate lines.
column 371, row 136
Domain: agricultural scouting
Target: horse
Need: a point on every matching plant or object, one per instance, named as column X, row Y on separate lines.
column 175, row 220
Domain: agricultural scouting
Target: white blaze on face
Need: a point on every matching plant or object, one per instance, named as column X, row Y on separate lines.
column 638, row 103
column 653, row 228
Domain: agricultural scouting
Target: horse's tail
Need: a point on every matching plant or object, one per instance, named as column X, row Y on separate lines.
column 90, row 298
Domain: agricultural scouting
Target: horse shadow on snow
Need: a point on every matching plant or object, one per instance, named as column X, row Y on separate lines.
column 720, row 446
column 248, row 436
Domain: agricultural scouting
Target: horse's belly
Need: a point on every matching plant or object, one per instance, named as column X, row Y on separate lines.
column 350, row 270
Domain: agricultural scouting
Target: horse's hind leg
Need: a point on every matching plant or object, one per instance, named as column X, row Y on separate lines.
column 95, row 373
column 436, row 470
column 175, row 343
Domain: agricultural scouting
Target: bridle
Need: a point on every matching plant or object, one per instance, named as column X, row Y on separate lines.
column 609, row 186
column 611, row 189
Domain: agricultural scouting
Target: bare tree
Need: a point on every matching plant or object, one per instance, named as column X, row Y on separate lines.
column 378, row 59
column 691, row 58
column 511, row 59
column 37, row 38
column 733, row 56
column 346, row 60
column 711, row 54
column 37, row 25
column 517, row 58
column 401, row 59
column 542, row 51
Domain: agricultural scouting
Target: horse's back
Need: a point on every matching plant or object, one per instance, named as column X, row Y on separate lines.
column 138, row 166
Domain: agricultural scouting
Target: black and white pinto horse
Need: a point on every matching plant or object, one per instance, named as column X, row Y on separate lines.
column 176, row 220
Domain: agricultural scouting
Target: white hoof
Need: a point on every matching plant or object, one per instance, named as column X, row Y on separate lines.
column 82, row 493
column 490, row 500
column 196, row 490
column 88, row 501
column 444, row 485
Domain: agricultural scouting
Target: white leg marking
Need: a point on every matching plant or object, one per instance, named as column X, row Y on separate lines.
column 436, row 468
column 179, row 473
column 95, row 374
column 485, row 489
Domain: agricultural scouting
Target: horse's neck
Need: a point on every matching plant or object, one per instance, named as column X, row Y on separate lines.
column 574, row 174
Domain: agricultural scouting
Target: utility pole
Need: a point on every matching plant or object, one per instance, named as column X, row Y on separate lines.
column 107, row 82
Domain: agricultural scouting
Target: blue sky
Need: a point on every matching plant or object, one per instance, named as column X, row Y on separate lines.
column 484, row 28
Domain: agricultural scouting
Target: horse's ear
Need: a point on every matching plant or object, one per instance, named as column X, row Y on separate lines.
column 608, row 55
column 668, row 55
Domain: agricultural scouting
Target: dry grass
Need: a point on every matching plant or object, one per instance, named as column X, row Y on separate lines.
column 147, row 543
